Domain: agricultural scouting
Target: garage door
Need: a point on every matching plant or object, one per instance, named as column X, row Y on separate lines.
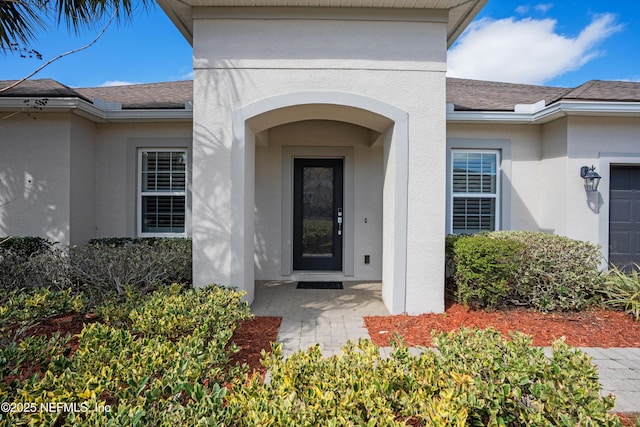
column 624, row 216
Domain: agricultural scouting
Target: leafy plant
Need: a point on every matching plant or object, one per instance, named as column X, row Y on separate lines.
column 109, row 267
column 622, row 290
column 33, row 263
column 25, row 246
column 26, row 306
column 542, row 271
column 486, row 269
column 161, row 364
column 475, row 378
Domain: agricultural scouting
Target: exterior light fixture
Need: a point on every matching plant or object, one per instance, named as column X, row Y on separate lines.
column 591, row 178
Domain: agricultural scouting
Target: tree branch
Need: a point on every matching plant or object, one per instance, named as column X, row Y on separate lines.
column 62, row 55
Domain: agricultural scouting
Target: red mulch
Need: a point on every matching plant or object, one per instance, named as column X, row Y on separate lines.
column 253, row 336
column 595, row 328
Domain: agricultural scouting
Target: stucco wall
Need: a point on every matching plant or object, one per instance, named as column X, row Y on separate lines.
column 602, row 142
column 367, row 193
column 520, row 147
column 35, row 176
column 82, row 181
column 238, row 62
column 553, row 175
column 547, row 193
column 116, row 170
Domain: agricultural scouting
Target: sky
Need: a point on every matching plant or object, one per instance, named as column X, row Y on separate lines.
column 554, row 43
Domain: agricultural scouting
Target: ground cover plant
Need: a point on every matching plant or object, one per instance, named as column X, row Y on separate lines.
column 156, row 359
column 476, row 378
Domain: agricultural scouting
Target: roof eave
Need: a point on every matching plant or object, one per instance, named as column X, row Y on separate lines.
column 93, row 113
column 467, row 13
column 548, row 114
column 180, row 12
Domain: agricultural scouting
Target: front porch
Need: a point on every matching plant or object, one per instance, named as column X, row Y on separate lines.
column 325, row 316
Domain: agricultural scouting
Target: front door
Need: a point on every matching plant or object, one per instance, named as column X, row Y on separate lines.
column 317, row 214
column 624, row 216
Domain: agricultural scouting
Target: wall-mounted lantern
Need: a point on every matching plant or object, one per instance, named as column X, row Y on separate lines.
column 591, row 178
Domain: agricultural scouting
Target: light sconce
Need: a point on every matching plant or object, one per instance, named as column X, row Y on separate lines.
column 591, row 178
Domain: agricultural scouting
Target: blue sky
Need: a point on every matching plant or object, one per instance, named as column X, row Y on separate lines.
column 556, row 43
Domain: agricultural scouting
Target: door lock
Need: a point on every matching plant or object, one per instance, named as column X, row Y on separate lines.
column 339, row 221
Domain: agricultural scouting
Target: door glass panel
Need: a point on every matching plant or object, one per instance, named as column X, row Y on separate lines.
column 317, row 211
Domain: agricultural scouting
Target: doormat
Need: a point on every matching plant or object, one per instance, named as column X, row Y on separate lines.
column 319, row 285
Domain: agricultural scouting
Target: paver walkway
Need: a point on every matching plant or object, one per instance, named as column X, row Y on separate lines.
column 333, row 317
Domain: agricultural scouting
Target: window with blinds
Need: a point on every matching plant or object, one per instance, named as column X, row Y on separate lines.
column 162, row 201
column 475, row 182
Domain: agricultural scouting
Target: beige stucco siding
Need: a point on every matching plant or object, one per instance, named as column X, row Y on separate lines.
column 602, row 142
column 520, row 147
column 238, row 63
column 116, row 170
column 82, row 181
column 35, row 182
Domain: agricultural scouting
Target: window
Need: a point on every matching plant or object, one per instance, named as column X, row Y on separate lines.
column 162, row 196
column 475, row 184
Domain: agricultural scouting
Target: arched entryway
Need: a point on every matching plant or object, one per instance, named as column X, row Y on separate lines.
column 370, row 140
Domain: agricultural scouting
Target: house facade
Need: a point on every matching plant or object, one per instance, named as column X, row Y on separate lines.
column 321, row 142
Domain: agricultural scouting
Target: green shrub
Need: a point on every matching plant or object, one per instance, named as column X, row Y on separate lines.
column 102, row 267
column 544, row 271
column 32, row 262
column 486, row 269
column 21, row 307
column 136, row 372
column 25, row 246
column 173, row 311
column 622, row 290
column 105, row 265
column 476, row 378
column 558, row 273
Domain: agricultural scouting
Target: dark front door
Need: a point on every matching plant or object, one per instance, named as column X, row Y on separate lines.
column 624, row 216
column 317, row 214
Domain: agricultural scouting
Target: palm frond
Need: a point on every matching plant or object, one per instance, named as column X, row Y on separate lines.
column 19, row 23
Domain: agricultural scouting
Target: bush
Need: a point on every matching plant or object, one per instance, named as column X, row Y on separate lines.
column 102, row 267
column 486, row 269
column 25, row 247
column 622, row 290
column 550, row 272
column 476, row 378
column 34, row 265
column 108, row 265
column 164, row 366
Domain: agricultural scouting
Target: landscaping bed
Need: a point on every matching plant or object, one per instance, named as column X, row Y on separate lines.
column 591, row 328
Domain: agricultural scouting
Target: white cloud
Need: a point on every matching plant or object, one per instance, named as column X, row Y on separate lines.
column 523, row 9
column 117, row 83
column 543, row 7
column 526, row 50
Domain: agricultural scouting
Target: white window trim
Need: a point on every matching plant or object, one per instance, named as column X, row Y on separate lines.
column 495, row 196
column 141, row 193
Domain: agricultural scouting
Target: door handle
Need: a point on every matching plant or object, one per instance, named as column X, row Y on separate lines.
column 339, row 221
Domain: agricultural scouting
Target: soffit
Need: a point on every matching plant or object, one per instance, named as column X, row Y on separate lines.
column 460, row 12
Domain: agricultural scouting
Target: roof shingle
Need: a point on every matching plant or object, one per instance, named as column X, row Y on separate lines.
column 464, row 94
column 166, row 95
column 480, row 95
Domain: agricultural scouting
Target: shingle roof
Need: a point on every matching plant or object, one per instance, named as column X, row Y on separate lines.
column 599, row 90
column 46, row 88
column 144, row 96
column 494, row 96
column 465, row 95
